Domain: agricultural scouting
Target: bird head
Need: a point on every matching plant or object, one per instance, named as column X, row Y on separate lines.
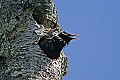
column 67, row 37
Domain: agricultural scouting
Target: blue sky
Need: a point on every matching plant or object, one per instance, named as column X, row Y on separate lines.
column 96, row 56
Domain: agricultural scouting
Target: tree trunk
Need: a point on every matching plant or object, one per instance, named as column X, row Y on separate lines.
column 22, row 23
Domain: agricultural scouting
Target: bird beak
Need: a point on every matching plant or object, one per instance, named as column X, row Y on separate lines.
column 75, row 35
column 75, row 38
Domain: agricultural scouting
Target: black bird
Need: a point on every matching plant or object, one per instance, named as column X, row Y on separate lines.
column 52, row 46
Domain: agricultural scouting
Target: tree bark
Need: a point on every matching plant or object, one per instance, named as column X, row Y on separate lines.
column 22, row 23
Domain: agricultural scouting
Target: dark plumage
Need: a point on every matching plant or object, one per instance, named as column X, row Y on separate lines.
column 52, row 46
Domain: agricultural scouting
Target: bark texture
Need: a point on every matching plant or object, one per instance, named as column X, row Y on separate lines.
column 22, row 23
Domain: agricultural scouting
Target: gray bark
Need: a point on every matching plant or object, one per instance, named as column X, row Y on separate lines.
column 20, row 57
